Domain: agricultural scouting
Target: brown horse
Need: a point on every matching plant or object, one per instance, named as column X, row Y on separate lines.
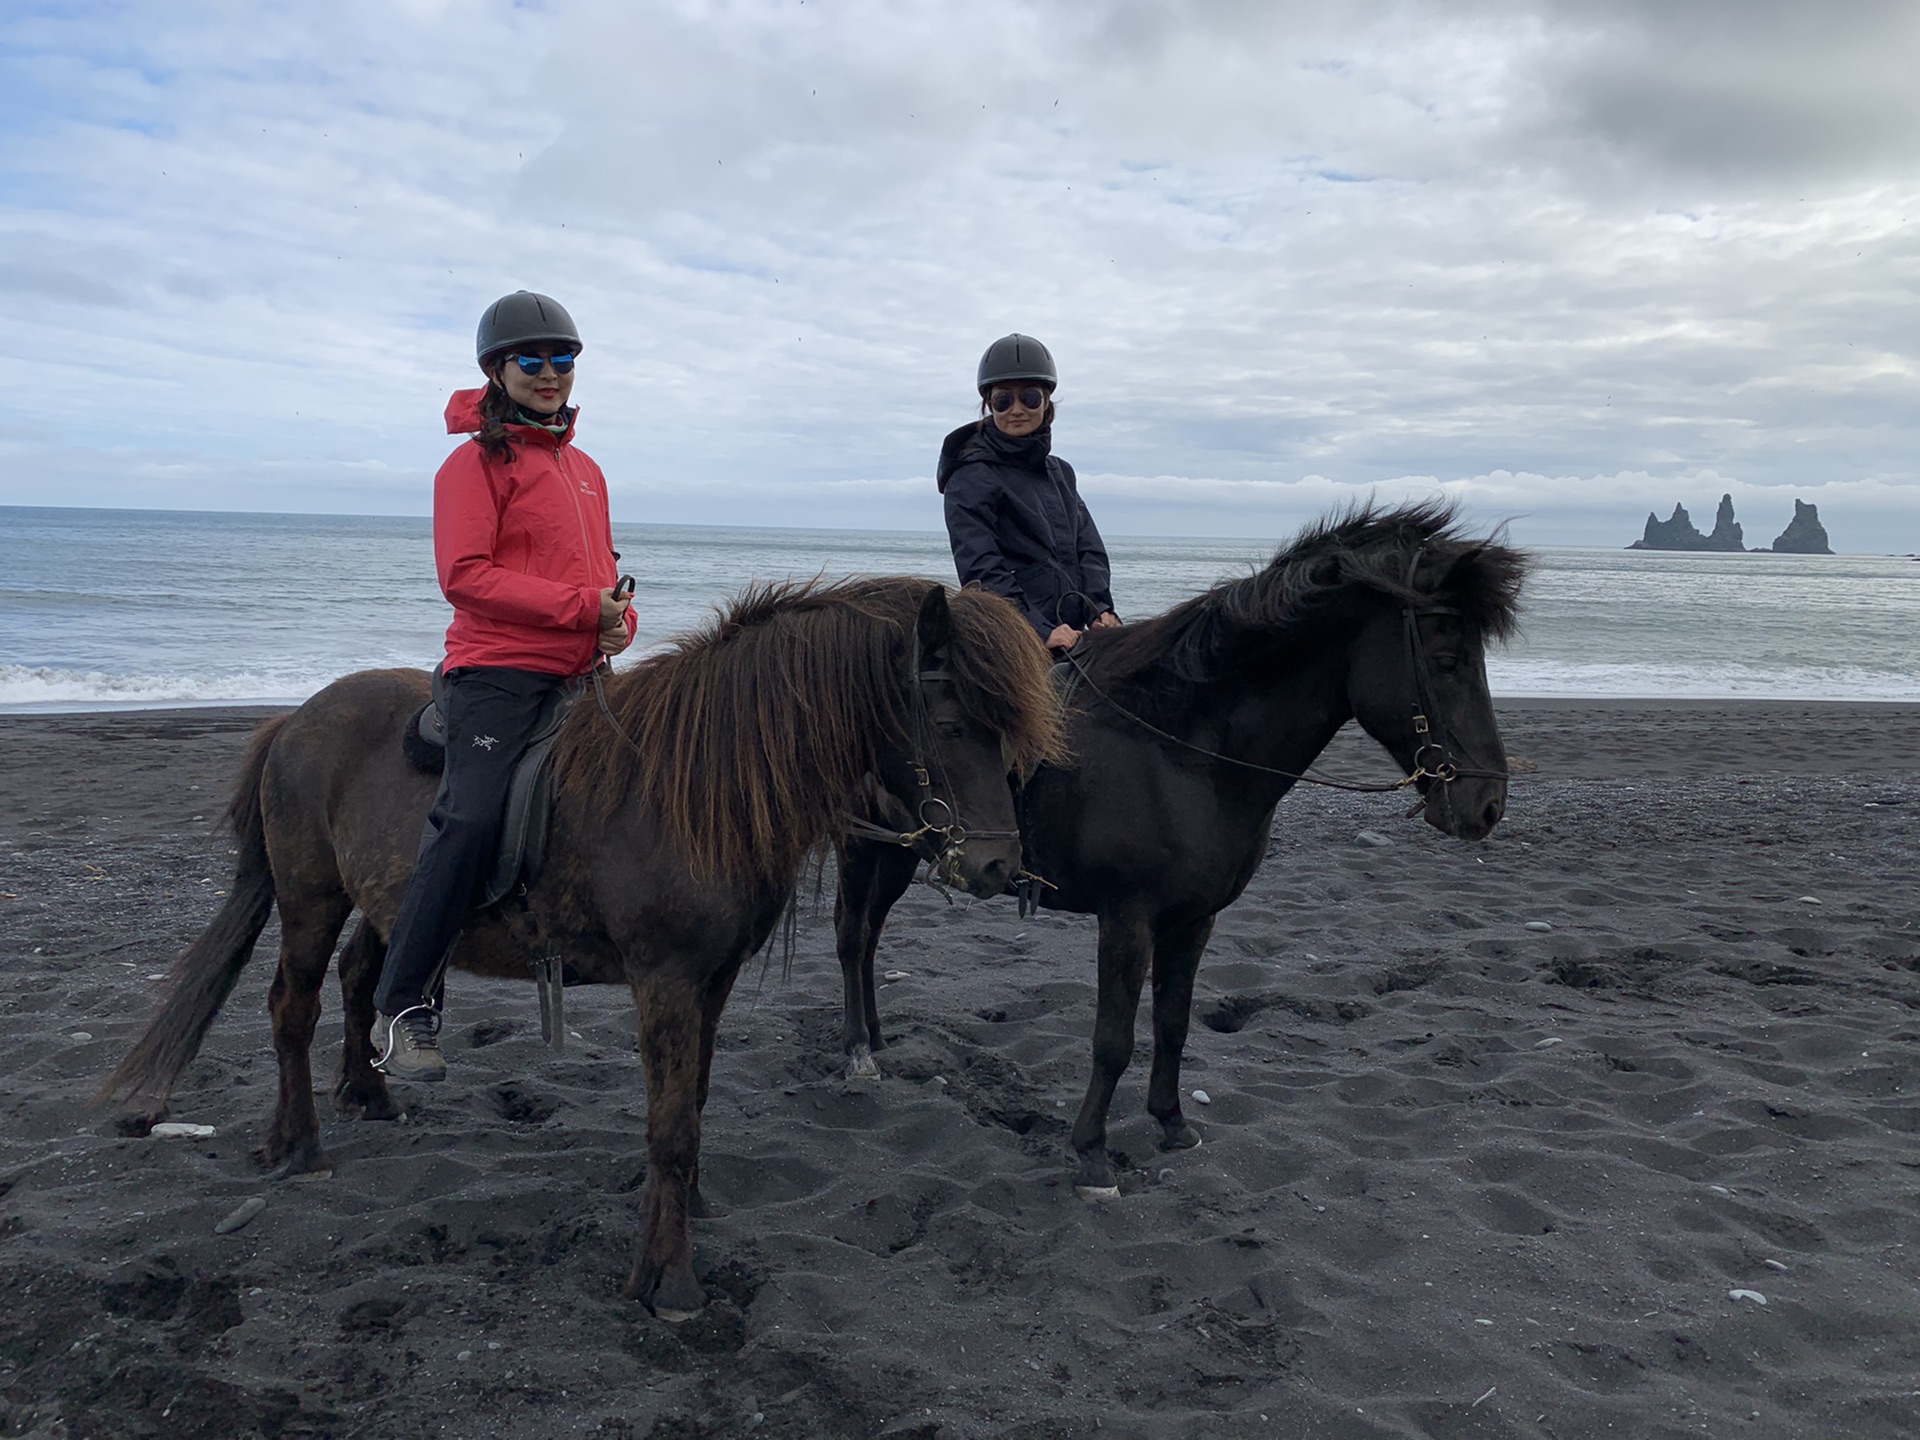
column 1185, row 730
column 676, row 841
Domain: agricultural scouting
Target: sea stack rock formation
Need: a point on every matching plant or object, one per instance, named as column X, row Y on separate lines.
column 1726, row 530
column 1679, row 533
column 1806, row 535
column 1675, row 534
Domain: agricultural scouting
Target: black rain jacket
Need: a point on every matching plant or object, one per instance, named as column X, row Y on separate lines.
column 1019, row 527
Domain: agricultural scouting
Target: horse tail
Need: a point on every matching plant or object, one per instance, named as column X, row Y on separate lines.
column 205, row 973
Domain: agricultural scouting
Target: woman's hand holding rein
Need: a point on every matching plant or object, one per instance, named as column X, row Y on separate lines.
column 615, row 635
column 1065, row 637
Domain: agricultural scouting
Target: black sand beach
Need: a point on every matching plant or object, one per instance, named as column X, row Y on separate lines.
column 1652, row 1172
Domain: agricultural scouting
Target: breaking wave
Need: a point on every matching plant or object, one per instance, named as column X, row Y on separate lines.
column 29, row 688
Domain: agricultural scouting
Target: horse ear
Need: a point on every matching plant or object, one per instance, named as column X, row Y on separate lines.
column 1466, row 580
column 935, row 628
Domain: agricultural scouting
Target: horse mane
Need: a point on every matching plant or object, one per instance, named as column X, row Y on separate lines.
column 1208, row 636
column 751, row 735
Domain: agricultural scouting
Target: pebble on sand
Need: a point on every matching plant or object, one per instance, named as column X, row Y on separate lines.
column 897, row 975
column 1808, row 900
column 180, row 1130
column 1753, row 1295
column 1372, row 839
column 1548, row 1043
column 1539, row 927
column 1202, row 1098
column 81, row 1035
column 241, row 1216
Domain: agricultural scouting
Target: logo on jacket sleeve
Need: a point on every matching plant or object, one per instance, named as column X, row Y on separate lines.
column 485, row 742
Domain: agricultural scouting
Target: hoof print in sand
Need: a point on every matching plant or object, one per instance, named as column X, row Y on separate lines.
column 378, row 1314
column 190, row 1311
column 1414, row 976
column 519, row 1105
column 1232, row 1014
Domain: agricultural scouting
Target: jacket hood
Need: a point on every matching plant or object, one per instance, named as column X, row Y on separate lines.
column 978, row 440
column 950, row 453
column 464, row 417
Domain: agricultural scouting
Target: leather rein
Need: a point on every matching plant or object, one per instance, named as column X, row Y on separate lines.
column 1433, row 759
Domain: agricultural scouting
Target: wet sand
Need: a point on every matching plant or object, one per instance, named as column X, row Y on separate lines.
column 1462, row 1177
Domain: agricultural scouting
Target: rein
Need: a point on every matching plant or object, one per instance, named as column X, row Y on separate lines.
column 1429, row 735
column 1305, row 776
column 606, row 710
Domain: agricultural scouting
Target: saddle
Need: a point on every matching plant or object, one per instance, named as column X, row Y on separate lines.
column 523, row 838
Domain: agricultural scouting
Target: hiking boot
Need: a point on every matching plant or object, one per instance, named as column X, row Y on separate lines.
column 409, row 1045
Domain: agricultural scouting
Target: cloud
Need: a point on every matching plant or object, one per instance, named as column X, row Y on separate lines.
column 1281, row 251
column 1736, row 94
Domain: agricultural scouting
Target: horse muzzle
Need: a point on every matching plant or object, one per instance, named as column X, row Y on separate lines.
column 982, row 868
column 1465, row 807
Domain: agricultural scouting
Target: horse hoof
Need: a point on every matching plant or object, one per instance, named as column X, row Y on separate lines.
column 1096, row 1180
column 382, row 1110
column 367, row 1102
column 1180, row 1136
column 306, row 1162
column 673, row 1297
column 861, row 1066
column 679, row 1298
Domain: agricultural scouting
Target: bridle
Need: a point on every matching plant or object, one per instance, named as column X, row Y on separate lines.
column 938, row 816
column 1433, row 759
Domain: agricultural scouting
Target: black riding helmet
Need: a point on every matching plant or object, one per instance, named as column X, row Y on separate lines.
column 524, row 318
column 1016, row 357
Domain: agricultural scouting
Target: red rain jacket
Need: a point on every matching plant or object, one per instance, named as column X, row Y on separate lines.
column 524, row 547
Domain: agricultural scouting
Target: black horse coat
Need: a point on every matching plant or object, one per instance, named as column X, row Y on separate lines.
column 1019, row 527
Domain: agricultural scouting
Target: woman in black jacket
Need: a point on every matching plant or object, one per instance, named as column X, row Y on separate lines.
column 1014, row 513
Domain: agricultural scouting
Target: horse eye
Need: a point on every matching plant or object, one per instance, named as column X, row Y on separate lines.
column 952, row 729
column 1447, row 663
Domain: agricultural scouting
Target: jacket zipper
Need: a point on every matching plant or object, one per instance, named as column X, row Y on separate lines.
column 579, row 515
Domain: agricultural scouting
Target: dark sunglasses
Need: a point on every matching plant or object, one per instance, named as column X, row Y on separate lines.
column 1031, row 398
column 534, row 364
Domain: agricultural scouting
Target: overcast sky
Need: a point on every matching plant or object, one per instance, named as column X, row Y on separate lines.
column 1570, row 261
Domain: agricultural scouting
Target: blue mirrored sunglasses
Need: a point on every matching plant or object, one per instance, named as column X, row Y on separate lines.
column 534, row 364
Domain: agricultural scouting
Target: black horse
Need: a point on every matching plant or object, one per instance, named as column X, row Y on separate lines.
column 1185, row 730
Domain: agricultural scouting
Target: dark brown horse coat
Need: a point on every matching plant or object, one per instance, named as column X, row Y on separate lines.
column 680, row 824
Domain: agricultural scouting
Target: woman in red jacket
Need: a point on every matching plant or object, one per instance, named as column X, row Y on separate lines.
column 524, row 547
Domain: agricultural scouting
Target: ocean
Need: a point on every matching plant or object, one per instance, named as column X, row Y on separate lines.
column 104, row 609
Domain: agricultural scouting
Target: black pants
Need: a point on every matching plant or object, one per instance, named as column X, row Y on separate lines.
column 490, row 714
